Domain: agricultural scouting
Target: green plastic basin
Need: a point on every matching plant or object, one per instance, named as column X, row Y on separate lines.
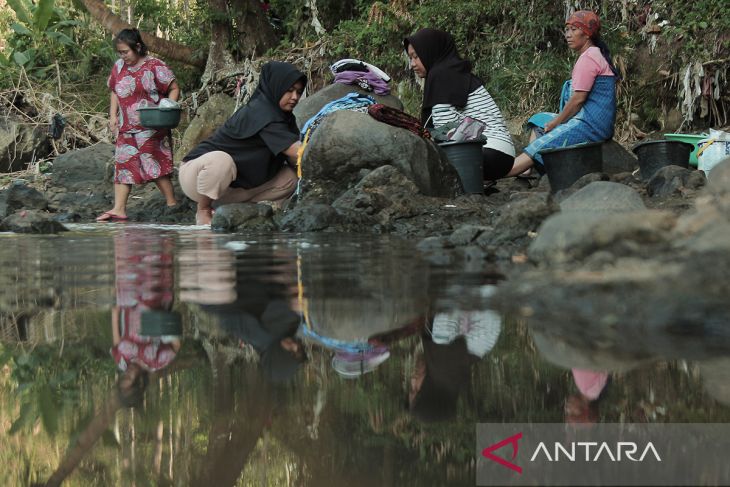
column 159, row 118
column 693, row 139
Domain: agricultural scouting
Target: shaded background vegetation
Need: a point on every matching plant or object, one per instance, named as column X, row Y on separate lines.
column 666, row 49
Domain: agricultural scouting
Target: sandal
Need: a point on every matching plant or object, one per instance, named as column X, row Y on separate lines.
column 108, row 216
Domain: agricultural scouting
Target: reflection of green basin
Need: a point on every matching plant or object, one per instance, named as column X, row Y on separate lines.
column 157, row 323
column 693, row 139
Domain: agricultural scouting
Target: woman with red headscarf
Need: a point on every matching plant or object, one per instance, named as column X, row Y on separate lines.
column 588, row 107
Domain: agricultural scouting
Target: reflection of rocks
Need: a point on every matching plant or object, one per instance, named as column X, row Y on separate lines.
column 715, row 374
column 376, row 293
column 569, row 348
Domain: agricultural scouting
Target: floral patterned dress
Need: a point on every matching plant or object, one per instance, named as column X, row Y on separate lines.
column 144, row 281
column 141, row 154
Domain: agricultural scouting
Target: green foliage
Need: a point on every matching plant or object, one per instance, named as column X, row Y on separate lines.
column 42, row 35
column 46, row 384
column 702, row 27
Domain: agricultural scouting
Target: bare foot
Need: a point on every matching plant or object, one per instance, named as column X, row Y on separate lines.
column 203, row 217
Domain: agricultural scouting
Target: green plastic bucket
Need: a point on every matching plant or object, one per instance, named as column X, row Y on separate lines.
column 693, row 139
column 159, row 118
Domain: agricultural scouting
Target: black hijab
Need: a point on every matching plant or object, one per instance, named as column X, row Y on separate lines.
column 276, row 78
column 448, row 77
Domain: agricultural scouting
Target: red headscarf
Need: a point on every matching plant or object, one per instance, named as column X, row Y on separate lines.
column 586, row 21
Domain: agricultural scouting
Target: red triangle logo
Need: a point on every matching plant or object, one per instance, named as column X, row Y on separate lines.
column 512, row 440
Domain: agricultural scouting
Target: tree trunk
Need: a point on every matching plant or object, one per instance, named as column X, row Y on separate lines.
column 254, row 32
column 165, row 48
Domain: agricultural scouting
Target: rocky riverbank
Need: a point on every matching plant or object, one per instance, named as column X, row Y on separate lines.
column 364, row 176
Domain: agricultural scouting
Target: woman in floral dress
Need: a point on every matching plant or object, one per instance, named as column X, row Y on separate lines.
column 137, row 81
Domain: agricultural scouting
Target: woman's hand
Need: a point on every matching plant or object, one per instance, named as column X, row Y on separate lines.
column 113, row 126
column 551, row 125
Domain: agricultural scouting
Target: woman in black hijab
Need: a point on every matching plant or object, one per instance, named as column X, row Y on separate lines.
column 452, row 93
column 250, row 157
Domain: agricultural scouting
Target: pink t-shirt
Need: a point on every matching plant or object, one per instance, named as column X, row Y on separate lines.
column 589, row 65
column 590, row 383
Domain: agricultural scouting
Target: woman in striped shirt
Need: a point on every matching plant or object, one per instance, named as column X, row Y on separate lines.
column 452, row 93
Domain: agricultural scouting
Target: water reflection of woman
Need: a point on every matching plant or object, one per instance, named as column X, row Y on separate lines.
column 144, row 298
column 582, row 407
column 453, row 343
column 250, row 306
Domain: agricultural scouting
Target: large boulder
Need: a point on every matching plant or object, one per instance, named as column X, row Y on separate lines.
column 572, row 236
column 707, row 228
column 20, row 143
column 81, row 184
column 210, row 115
column 31, row 221
column 309, row 106
column 382, row 196
column 347, row 142
column 20, row 196
column 616, row 159
column 604, row 196
column 88, row 170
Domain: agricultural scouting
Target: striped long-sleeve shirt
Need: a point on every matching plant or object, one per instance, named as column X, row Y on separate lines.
column 481, row 106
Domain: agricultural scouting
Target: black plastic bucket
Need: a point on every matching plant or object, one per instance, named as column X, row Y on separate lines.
column 466, row 157
column 656, row 154
column 566, row 165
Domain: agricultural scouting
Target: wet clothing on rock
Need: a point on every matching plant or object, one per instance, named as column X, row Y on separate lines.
column 397, row 118
column 355, row 102
column 141, row 154
column 256, row 136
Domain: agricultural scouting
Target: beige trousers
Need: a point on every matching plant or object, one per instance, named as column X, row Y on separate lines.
column 212, row 174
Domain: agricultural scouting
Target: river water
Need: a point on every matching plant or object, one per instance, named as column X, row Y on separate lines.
column 142, row 355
